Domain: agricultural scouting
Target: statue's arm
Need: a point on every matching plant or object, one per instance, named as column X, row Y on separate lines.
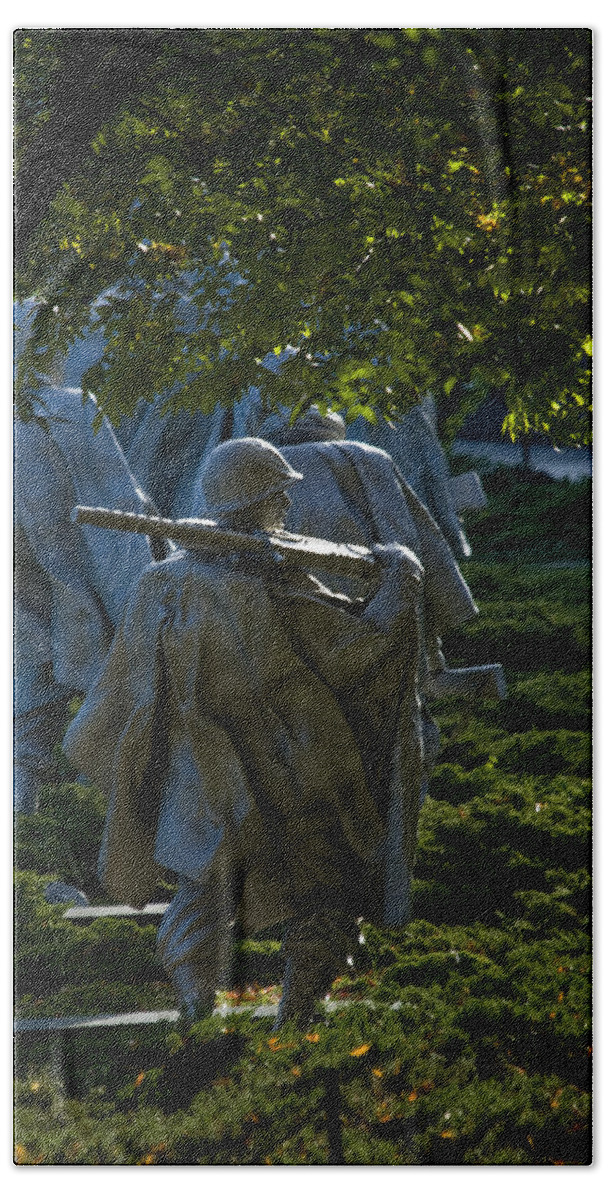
column 400, row 590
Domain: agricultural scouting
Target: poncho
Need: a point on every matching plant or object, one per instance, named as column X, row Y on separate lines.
column 254, row 714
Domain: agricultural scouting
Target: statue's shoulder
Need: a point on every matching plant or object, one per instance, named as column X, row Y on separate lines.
column 182, row 580
column 166, row 568
column 366, row 456
column 184, row 561
column 167, row 575
column 190, row 568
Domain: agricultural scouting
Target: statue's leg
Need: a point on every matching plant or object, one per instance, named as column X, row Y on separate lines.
column 195, row 942
column 316, row 949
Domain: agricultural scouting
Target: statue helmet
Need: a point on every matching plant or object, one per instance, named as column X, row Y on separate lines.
column 242, row 472
column 312, row 426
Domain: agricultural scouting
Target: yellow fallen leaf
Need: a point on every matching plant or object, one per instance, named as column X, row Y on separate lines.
column 359, row 1050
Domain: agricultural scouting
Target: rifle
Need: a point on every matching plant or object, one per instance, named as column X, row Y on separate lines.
column 293, row 549
column 200, row 533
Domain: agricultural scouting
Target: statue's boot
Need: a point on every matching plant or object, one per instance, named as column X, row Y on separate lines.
column 316, row 950
column 195, row 945
column 196, row 995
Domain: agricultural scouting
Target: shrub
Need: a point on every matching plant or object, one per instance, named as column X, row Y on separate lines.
column 531, row 518
column 63, row 836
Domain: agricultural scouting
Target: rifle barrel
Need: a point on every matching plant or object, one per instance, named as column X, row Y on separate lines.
column 200, row 533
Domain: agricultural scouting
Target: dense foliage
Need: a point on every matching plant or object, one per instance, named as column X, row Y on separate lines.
column 473, row 1044
column 531, row 518
column 406, row 208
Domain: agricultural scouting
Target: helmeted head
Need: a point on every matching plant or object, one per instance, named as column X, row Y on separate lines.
column 312, row 426
column 279, row 428
column 242, row 473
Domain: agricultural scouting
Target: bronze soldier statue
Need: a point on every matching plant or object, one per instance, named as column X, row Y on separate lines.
column 259, row 734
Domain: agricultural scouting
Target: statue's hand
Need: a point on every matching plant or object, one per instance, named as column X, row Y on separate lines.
column 401, row 581
column 398, row 559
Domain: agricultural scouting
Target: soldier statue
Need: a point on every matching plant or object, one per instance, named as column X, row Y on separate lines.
column 259, row 734
column 70, row 583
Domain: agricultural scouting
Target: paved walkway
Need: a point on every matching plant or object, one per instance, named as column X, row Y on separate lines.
column 559, row 464
column 169, row 1015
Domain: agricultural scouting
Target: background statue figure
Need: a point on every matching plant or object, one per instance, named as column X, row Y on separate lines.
column 413, row 444
column 353, row 492
column 70, row 582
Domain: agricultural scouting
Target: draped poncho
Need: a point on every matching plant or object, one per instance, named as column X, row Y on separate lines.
column 252, row 715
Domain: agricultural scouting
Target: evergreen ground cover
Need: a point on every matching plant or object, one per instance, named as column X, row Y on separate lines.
column 468, row 1035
